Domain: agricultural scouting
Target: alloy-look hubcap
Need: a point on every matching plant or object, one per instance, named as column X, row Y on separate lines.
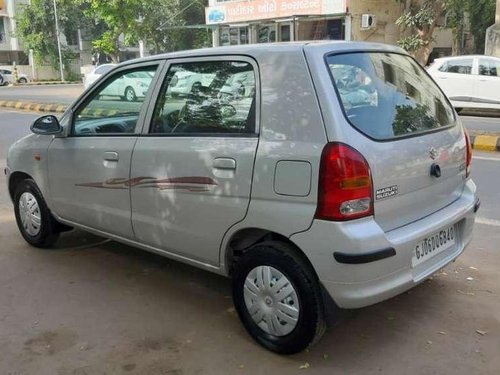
column 30, row 215
column 271, row 300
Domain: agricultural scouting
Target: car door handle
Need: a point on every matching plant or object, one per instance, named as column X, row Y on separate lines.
column 224, row 163
column 111, row 156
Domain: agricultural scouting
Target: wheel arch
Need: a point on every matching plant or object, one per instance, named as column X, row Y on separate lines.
column 243, row 239
column 15, row 179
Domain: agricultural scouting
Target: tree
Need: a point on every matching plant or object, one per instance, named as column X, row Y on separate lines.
column 481, row 16
column 119, row 18
column 160, row 25
column 171, row 25
column 36, row 29
column 419, row 20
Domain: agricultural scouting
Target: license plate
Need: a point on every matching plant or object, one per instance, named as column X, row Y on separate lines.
column 433, row 245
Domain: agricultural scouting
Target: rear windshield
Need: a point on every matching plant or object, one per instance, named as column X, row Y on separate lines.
column 387, row 95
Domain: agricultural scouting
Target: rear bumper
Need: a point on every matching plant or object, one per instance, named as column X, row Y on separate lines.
column 361, row 283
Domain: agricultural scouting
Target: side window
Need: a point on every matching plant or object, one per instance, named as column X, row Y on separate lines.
column 115, row 105
column 206, row 98
column 489, row 68
column 457, row 66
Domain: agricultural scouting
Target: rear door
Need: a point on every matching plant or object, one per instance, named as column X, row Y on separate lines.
column 488, row 85
column 192, row 168
column 397, row 117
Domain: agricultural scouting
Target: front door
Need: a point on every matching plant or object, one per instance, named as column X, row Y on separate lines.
column 456, row 79
column 192, row 169
column 92, row 165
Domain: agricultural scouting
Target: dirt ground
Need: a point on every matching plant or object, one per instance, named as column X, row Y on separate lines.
column 97, row 307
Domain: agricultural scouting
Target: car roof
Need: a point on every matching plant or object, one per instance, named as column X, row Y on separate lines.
column 256, row 49
column 450, row 58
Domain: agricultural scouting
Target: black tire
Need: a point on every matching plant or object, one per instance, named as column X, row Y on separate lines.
column 48, row 230
column 23, row 81
column 310, row 324
column 132, row 97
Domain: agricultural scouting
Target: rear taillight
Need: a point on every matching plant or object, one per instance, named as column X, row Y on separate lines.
column 468, row 159
column 345, row 184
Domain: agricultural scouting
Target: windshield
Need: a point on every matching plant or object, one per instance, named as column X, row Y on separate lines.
column 388, row 95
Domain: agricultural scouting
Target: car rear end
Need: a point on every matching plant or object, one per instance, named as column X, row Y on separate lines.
column 395, row 199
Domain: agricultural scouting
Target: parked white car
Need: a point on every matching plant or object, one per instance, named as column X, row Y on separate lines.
column 342, row 187
column 469, row 81
column 183, row 83
column 96, row 74
column 7, row 77
column 129, row 87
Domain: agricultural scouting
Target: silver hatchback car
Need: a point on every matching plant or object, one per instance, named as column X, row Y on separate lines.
column 334, row 175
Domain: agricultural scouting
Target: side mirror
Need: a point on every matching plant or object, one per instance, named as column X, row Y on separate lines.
column 46, row 125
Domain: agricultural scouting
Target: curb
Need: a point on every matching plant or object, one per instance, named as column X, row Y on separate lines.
column 485, row 142
column 47, row 83
column 33, row 107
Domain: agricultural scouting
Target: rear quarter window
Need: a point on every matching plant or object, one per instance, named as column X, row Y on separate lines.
column 388, row 95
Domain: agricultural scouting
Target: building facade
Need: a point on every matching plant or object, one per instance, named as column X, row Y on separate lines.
column 263, row 21
column 10, row 49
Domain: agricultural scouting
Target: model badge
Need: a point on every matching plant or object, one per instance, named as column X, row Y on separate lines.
column 433, row 153
column 386, row 192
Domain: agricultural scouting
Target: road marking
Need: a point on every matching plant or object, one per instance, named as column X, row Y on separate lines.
column 485, row 158
column 485, row 221
column 485, row 119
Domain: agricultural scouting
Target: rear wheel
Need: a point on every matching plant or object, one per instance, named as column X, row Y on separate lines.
column 130, row 95
column 278, row 298
column 23, row 80
column 33, row 217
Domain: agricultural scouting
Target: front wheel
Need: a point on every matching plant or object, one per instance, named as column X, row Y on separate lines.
column 23, row 81
column 33, row 217
column 278, row 298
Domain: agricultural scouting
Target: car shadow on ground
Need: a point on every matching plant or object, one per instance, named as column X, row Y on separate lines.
column 369, row 332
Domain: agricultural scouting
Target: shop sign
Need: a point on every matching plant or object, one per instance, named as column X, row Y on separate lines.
column 242, row 11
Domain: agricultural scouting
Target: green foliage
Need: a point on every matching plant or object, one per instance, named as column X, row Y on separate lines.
column 481, row 16
column 113, row 24
column 119, row 17
column 419, row 20
column 36, row 29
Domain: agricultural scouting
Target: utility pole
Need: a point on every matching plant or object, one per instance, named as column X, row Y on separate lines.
column 58, row 43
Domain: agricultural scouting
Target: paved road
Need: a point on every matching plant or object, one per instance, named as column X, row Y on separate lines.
column 54, row 94
column 487, row 124
column 94, row 307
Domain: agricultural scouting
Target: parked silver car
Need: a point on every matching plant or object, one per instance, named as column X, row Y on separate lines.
column 338, row 176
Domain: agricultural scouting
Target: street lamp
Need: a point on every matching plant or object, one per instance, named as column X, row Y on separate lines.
column 58, row 43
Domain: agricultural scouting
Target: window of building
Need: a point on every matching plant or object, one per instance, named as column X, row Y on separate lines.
column 218, row 98
column 320, row 29
column 231, row 36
